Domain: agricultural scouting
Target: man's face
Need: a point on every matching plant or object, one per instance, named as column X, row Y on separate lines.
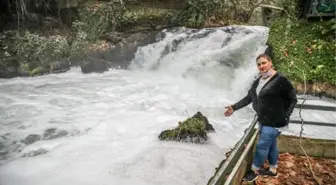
column 264, row 65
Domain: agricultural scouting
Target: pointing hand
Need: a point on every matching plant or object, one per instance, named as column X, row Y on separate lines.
column 229, row 111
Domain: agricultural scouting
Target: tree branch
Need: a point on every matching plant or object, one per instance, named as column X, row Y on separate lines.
column 272, row 7
column 256, row 4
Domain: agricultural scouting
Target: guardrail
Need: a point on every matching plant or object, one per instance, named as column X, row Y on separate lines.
column 315, row 107
column 225, row 169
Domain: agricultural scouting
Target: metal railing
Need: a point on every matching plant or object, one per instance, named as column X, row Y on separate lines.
column 225, row 169
column 315, row 107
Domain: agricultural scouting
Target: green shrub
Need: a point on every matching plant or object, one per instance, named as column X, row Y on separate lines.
column 97, row 19
column 37, row 71
column 79, row 44
column 196, row 12
column 33, row 47
column 304, row 49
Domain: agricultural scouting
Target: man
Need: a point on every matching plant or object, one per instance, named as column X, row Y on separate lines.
column 273, row 98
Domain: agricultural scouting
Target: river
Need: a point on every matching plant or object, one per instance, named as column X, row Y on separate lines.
column 97, row 129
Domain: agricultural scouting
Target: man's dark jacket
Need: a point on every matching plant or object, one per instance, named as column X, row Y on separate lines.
column 275, row 102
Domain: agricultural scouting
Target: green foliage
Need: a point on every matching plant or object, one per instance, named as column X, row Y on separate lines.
column 196, row 12
column 37, row 71
column 95, row 20
column 192, row 127
column 129, row 18
column 32, row 47
column 145, row 17
column 304, row 49
column 32, row 52
column 80, row 43
column 29, row 46
column 58, row 46
column 24, row 67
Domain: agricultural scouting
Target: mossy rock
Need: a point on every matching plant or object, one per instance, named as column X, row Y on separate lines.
column 38, row 71
column 24, row 69
column 59, row 66
column 193, row 130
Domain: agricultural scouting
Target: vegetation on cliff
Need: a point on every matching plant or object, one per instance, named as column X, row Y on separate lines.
column 304, row 49
column 36, row 50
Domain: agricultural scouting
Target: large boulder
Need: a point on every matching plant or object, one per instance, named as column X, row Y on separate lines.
column 53, row 133
column 91, row 65
column 8, row 67
column 59, row 66
column 32, row 138
column 34, row 153
column 115, row 51
column 124, row 49
column 193, row 130
column 208, row 126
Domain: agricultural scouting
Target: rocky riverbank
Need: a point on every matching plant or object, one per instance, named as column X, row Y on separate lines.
column 316, row 89
column 114, row 50
column 104, row 35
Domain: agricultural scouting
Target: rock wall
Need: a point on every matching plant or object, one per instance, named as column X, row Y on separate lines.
column 316, row 89
column 106, row 32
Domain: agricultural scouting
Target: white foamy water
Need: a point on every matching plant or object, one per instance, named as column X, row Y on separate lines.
column 111, row 121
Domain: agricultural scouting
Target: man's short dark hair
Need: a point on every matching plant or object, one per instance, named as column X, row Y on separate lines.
column 264, row 56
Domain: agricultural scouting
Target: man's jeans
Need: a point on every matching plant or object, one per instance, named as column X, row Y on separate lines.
column 266, row 147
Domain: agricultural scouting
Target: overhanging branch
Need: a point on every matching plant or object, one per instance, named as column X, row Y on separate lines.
column 256, row 4
column 271, row 7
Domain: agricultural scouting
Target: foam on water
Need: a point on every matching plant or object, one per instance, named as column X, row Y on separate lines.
column 112, row 120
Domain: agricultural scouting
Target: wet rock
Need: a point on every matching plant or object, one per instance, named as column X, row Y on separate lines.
column 3, row 141
column 8, row 72
column 119, row 52
column 160, row 36
column 38, row 71
column 32, row 138
column 54, row 133
column 9, row 146
column 193, row 130
column 316, row 89
column 3, row 151
column 208, row 126
column 2, row 146
column 59, row 66
column 114, row 37
column 124, row 51
column 3, row 154
column 9, row 67
column 202, row 33
column 35, row 153
column 97, row 66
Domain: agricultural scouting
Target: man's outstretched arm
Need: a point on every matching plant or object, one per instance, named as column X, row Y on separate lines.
column 240, row 104
column 243, row 102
